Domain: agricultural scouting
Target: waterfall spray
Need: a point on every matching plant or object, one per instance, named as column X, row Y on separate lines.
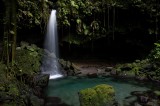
column 50, row 64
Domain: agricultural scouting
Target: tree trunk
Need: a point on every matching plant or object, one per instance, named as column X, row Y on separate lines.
column 14, row 29
column 108, row 18
column 113, row 36
column 9, row 38
column 5, row 54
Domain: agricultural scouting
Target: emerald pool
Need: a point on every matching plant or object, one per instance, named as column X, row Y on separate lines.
column 67, row 88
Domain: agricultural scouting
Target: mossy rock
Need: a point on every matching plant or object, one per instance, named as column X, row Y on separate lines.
column 100, row 95
column 13, row 88
column 27, row 61
column 105, row 93
column 88, row 97
column 135, row 69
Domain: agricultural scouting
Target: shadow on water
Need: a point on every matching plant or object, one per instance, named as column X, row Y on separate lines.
column 54, row 101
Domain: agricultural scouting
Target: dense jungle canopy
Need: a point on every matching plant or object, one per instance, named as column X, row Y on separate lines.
column 89, row 25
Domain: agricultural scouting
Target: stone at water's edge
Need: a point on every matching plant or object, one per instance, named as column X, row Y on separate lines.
column 39, row 83
column 92, row 75
column 108, row 69
column 100, row 95
column 41, row 80
column 35, row 101
column 69, row 68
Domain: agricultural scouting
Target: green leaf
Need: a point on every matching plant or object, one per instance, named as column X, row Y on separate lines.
column 84, row 26
column 157, row 44
column 86, row 31
column 11, row 32
column 30, row 14
column 78, row 21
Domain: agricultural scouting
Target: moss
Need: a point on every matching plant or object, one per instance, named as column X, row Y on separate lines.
column 28, row 59
column 13, row 90
column 105, row 94
column 88, row 97
column 13, row 84
column 100, row 95
column 132, row 69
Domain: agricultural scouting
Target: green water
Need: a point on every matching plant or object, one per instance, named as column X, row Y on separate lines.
column 67, row 88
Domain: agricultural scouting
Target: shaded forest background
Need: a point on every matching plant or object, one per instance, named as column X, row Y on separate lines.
column 90, row 28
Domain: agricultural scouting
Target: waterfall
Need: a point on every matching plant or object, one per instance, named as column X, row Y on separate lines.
column 50, row 64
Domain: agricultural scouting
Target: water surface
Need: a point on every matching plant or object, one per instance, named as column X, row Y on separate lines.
column 67, row 89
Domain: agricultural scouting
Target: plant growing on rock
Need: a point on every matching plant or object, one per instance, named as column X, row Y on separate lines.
column 100, row 95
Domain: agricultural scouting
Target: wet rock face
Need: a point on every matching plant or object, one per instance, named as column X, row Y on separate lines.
column 35, row 101
column 39, row 82
column 69, row 68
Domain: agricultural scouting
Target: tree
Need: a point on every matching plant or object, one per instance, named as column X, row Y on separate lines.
column 10, row 31
column 16, row 12
column 91, row 19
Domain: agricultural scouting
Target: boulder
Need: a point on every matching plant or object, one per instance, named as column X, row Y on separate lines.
column 100, row 95
column 88, row 97
column 35, row 101
column 113, row 72
column 41, row 80
column 127, row 74
column 92, row 75
column 101, row 72
column 141, row 77
column 108, row 69
column 143, row 99
column 69, row 68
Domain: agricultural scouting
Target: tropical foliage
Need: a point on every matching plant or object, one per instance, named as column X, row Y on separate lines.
column 95, row 19
column 33, row 13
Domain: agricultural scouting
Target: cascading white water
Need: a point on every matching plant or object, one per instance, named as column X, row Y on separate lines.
column 50, row 63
